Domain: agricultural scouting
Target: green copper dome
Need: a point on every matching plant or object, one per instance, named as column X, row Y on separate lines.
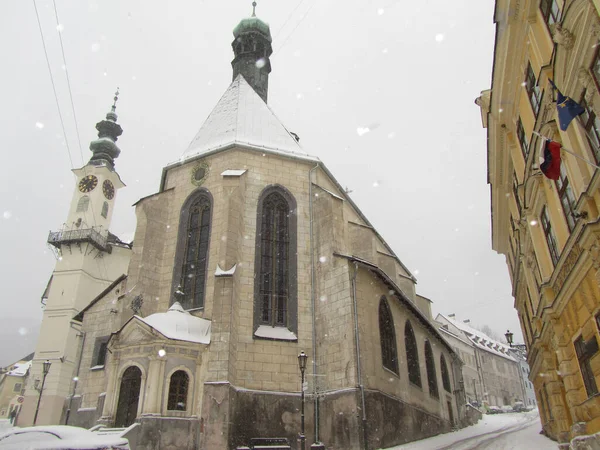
column 252, row 24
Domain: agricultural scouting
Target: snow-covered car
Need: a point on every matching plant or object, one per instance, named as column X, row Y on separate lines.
column 519, row 407
column 506, row 409
column 59, row 437
column 493, row 410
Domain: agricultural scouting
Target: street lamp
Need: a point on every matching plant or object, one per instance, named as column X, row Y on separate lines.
column 302, row 357
column 509, row 337
column 45, row 369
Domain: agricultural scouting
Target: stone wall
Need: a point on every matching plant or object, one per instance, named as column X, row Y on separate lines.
column 392, row 421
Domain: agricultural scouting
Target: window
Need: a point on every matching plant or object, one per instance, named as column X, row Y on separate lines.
column 550, row 11
column 533, row 91
column 522, row 138
column 567, row 197
column 445, row 374
column 591, row 124
column 100, row 350
column 431, row 375
column 178, row 390
column 105, row 210
column 585, row 351
column 515, row 187
column 275, row 264
column 17, row 387
column 596, row 68
column 192, row 249
column 389, row 354
column 83, row 203
column 550, row 238
column 412, row 355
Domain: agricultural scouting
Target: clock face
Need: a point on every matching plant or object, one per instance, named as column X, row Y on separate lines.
column 88, row 183
column 108, row 189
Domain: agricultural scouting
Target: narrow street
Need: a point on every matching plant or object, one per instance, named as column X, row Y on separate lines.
column 515, row 431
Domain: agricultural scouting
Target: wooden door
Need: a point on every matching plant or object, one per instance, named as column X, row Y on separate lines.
column 129, row 396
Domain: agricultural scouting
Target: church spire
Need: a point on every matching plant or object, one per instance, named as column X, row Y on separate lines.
column 105, row 149
column 252, row 48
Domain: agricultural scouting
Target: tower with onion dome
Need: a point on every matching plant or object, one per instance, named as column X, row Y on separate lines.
column 89, row 258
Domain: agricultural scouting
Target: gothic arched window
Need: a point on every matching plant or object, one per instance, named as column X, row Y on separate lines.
column 445, row 374
column 105, row 210
column 83, row 203
column 191, row 259
column 178, row 390
column 412, row 355
column 275, row 264
column 387, row 335
column 431, row 375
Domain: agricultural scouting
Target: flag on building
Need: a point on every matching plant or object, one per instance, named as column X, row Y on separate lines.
column 567, row 108
column 551, row 165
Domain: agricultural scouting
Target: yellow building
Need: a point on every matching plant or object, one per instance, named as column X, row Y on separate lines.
column 549, row 230
column 12, row 386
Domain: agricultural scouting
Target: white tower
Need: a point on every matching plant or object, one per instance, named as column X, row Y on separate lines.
column 90, row 258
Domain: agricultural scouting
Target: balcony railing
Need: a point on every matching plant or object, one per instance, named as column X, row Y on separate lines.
column 68, row 237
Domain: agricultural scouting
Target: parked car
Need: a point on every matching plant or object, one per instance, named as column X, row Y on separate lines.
column 59, row 437
column 506, row 409
column 519, row 407
column 493, row 410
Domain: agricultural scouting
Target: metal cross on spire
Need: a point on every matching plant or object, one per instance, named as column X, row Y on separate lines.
column 253, row 9
column 116, row 97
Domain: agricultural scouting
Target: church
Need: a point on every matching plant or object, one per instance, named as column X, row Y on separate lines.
column 249, row 254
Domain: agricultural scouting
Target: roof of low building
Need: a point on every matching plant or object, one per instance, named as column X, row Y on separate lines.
column 19, row 369
column 180, row 325
column 481, row 340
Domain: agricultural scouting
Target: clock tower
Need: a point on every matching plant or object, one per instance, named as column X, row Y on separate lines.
column 89, row 259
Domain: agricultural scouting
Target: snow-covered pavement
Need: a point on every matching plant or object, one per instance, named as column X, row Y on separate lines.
column 515, row 431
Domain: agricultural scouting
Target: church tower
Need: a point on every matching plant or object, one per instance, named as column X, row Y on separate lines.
column 89, row 259
column 252, row 49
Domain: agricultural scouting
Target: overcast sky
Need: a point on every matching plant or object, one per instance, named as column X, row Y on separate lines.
column 381, row 91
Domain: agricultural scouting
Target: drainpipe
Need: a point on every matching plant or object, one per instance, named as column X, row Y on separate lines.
column 358, row 371
column 82, row 335
column 312, row 303
column 481, row 377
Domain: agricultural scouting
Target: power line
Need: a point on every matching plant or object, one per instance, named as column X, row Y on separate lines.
column 297, row 25
column 62, row 48
column 62, row 123
column 288, row 19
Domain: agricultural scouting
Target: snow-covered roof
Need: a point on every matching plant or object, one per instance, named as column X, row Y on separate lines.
column 269, row 332
column 233, row 172
column 19, row 369
column 480, row 339
column 180, row 325
column 224, row 273
column 242, row 117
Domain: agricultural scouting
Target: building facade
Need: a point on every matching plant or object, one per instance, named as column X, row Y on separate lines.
column 250, row 253
column 548, row 229
column 493, row 372
column 89, row 258
column 13, row 380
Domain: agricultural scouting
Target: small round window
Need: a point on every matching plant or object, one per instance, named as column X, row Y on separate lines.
column 199, row 174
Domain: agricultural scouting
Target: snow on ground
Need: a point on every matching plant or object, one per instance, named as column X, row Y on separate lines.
column 4, row 425
column 516, row 431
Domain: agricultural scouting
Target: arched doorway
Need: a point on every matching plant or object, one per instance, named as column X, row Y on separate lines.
column 129, row 396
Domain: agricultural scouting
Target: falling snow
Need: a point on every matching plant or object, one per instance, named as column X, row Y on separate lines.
column 362, row 130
